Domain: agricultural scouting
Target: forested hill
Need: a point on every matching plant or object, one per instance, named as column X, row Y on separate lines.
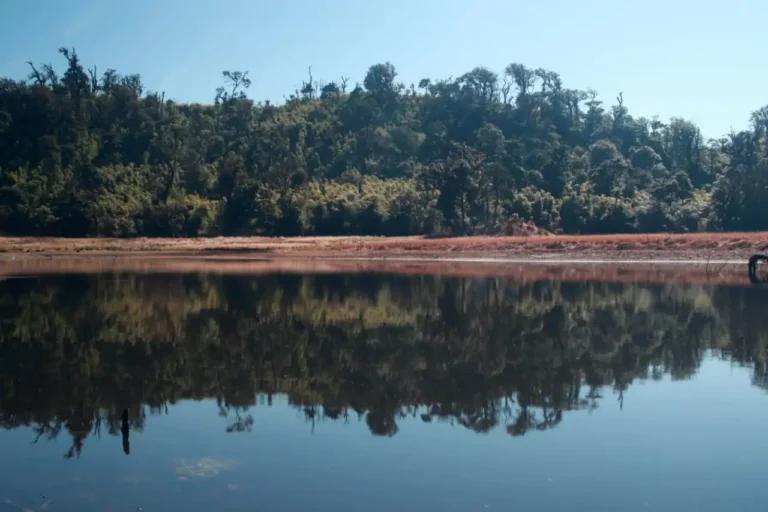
column 91, row 153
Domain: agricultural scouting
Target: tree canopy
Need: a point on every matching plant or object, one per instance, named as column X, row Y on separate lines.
column 89, row 153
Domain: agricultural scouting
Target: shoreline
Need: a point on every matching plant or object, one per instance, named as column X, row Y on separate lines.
column 727, row 272
column 706, row 258
column 690, row 247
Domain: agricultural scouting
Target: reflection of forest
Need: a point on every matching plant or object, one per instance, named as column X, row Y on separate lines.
column 76, row 351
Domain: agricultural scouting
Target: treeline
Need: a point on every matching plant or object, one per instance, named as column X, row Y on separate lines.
column 480, row 353
column 84, row 153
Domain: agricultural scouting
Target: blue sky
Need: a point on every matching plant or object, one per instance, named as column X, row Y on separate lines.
column 703, row 60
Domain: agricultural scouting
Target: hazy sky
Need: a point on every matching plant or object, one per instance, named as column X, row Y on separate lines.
column 703, row 60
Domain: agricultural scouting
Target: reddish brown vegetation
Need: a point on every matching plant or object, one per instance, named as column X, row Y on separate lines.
column 700, row 246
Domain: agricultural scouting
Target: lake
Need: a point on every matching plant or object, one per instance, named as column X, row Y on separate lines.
column 379, row 392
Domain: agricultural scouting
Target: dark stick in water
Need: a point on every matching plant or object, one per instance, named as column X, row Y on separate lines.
column 125, row 428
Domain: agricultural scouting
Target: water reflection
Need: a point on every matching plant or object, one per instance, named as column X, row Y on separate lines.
column 125, row 430
column 92, row 355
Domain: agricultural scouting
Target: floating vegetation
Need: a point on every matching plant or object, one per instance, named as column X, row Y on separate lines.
column 203, row 468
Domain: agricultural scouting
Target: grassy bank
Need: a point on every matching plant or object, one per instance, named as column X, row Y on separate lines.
column 700, row 246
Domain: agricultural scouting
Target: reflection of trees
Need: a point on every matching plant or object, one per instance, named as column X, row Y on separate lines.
column 242, row 422
column 80, row 426
column 75, row 352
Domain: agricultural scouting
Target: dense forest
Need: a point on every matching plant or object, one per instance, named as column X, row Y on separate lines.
column 479, row 353
column 90, row 153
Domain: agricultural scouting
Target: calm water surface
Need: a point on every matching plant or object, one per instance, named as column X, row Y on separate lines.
column 372, row 392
